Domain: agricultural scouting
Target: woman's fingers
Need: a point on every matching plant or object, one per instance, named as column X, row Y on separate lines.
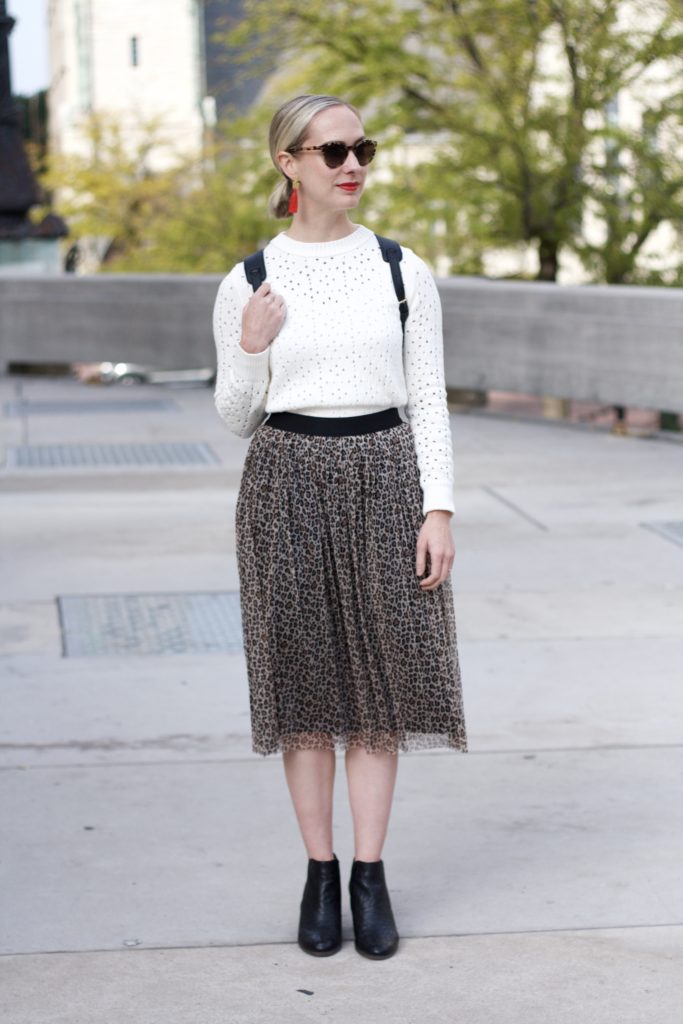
column 267, row 299
column 436, row 574
column 441, row 558
column 439, row 573
column 263, row 316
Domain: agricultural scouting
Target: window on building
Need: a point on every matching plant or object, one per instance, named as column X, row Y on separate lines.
column 134, row 51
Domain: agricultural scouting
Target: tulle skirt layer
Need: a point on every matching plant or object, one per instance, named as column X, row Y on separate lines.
column 342, row 646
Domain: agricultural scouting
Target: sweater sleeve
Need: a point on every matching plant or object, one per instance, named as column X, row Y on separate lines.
column 427, row 406
column 242, row 377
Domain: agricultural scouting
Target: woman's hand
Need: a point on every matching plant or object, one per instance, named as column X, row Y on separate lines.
column 435, row 539
column 262, row 318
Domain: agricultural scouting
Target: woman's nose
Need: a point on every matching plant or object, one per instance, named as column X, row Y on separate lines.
column 351, row 163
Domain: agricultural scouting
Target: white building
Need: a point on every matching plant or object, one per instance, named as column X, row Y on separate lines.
column 136, row 59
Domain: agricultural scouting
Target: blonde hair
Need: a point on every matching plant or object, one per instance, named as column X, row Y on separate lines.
column 288, row 129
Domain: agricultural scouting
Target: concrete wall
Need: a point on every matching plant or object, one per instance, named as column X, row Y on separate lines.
column 158, row 319
column 611, row 344
column 605, row 343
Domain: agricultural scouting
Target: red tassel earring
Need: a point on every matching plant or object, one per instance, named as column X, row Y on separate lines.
column 294, row 198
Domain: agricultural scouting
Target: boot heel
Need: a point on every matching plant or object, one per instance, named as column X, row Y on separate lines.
column 373, row 919
column 320, row 928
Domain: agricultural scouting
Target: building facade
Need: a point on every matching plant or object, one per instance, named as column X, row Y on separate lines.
column 143, row 60
column 138, row 60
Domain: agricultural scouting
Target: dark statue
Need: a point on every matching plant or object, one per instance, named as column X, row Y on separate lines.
column 19, row 190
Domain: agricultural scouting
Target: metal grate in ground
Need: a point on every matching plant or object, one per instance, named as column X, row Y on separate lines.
column 672, row 531
column 61, row 456
column 139, row 624
column 99, row 406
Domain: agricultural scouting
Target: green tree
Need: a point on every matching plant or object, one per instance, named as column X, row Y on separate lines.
column 151, row 209
column 221, row 213
column 515, row 96
column 111, row 191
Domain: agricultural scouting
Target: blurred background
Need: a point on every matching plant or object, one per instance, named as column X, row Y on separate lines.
column 519, row 141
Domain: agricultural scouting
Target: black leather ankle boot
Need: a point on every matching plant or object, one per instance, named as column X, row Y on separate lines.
column 373, row 919
column 320, row 921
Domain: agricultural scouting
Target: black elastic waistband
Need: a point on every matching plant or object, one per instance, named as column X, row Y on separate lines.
column 335, row 426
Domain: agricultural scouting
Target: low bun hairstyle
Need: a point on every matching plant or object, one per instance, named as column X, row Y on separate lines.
column 288, row 128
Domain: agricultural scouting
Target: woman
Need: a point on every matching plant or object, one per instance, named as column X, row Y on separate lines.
column 343, row 514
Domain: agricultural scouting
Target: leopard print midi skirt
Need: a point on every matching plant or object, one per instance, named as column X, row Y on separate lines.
column 342, row 646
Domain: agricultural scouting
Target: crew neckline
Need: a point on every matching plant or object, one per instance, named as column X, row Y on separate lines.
column 334, row 248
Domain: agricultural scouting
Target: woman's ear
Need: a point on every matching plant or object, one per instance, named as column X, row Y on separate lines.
column 287, row 163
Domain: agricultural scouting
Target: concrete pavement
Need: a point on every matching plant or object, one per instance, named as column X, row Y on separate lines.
column 152, row 866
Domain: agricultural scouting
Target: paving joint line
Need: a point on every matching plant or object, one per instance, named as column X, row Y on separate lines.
column 571, row 930
column 515, row 508
column 528, row 753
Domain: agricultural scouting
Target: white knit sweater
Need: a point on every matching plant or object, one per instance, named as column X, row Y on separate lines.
column 339, row 351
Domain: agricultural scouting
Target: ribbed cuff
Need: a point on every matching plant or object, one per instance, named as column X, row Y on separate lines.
column 437, row 496
column 251, row 366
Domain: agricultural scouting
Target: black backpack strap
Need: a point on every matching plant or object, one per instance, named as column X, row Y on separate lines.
column 393, row 254
column 255, row 269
